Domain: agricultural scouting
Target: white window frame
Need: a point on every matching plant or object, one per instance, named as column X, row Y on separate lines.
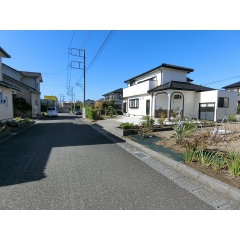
column 134, row 103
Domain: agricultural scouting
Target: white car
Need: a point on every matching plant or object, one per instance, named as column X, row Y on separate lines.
column 52, row 112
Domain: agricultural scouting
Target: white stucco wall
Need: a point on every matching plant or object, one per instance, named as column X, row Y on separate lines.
column 175, row 75
column 232, row 109
column 6, row 111
column 190, row 107
column 141, row 110
column 212, row 96
column 161, row 101
column 140, row 88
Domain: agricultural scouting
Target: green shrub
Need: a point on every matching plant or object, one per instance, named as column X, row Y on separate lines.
column 118, row 112
column 127, row 125
column 232, row 118
column 110, row 111
column 238, row 109
column 91, row 113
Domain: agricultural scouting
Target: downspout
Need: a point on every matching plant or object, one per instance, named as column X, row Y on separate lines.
column 152, row 106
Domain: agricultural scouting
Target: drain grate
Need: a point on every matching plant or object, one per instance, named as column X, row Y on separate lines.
column 140, row 154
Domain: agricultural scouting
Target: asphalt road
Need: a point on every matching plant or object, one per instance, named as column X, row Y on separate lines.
column 63, row 163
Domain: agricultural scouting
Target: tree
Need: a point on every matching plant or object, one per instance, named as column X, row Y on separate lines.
column 98, row 106
column 106, row 104
column 21, row 105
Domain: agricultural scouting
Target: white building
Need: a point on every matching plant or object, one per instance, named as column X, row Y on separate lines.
column 29, row 83
column 167, row 89
column 6, row 93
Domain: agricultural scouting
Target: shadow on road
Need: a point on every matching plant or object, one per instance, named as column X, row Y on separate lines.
column 23, row 158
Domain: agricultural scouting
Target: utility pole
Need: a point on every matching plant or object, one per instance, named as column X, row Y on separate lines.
column 77, row 52
column 84, row 79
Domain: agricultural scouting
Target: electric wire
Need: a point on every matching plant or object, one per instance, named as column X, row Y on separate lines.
column 86, row 39
column 69, row 76
column 100, row 50
column 221, row 80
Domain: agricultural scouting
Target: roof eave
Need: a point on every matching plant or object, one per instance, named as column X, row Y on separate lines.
column 4, row 53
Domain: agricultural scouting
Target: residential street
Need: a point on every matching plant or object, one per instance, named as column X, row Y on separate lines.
column 64, row 163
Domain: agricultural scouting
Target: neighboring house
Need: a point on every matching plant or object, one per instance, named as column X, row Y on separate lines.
column 66, row 105
column 29, row 82
column 100, row 100
column 167, row 89
column 89, row 102
column 6, row 93
column 235, row 87
column 116, row 97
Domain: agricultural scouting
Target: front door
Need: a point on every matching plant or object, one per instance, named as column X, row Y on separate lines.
column 147, row 107
column 124, row 107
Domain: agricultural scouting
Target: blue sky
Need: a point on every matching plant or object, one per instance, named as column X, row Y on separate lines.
column 213, row 54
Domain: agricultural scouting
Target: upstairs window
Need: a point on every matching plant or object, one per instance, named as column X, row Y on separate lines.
column 223, row 102
column 119, row 95
column 132, row 82
column 134, row 103
column 0, row 97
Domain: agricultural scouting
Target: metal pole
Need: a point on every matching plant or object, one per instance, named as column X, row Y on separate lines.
column 84, row 79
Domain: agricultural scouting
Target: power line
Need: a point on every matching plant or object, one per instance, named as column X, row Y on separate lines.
column 86, row 39
column 72, row 39
column 57, row 71
column 105, row 43
column 69, row 79
column 100, row 50
column 221, row 80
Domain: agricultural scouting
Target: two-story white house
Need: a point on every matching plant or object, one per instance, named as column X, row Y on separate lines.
column 29, row 83
column 116, row 97
column 167, row 89
column 6, row 93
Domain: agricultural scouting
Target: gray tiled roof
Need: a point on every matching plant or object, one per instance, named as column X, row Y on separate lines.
column 181, row 86
column 20, row 83
column 234, row 85
column 3, row 53
column 164, row 65
column 119, row 90
column 7, row 85
column 30, row 74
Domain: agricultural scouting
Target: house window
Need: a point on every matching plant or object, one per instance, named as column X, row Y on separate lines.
column 134, row 103
column 177, row 96
column 132, row 82
column 223, row 102
column 119, row 95
column 6, row 101
column 0, row 97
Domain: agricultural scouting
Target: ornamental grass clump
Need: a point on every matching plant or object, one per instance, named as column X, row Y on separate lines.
column 190, row 155
column 183, row 130
column 233, row 163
